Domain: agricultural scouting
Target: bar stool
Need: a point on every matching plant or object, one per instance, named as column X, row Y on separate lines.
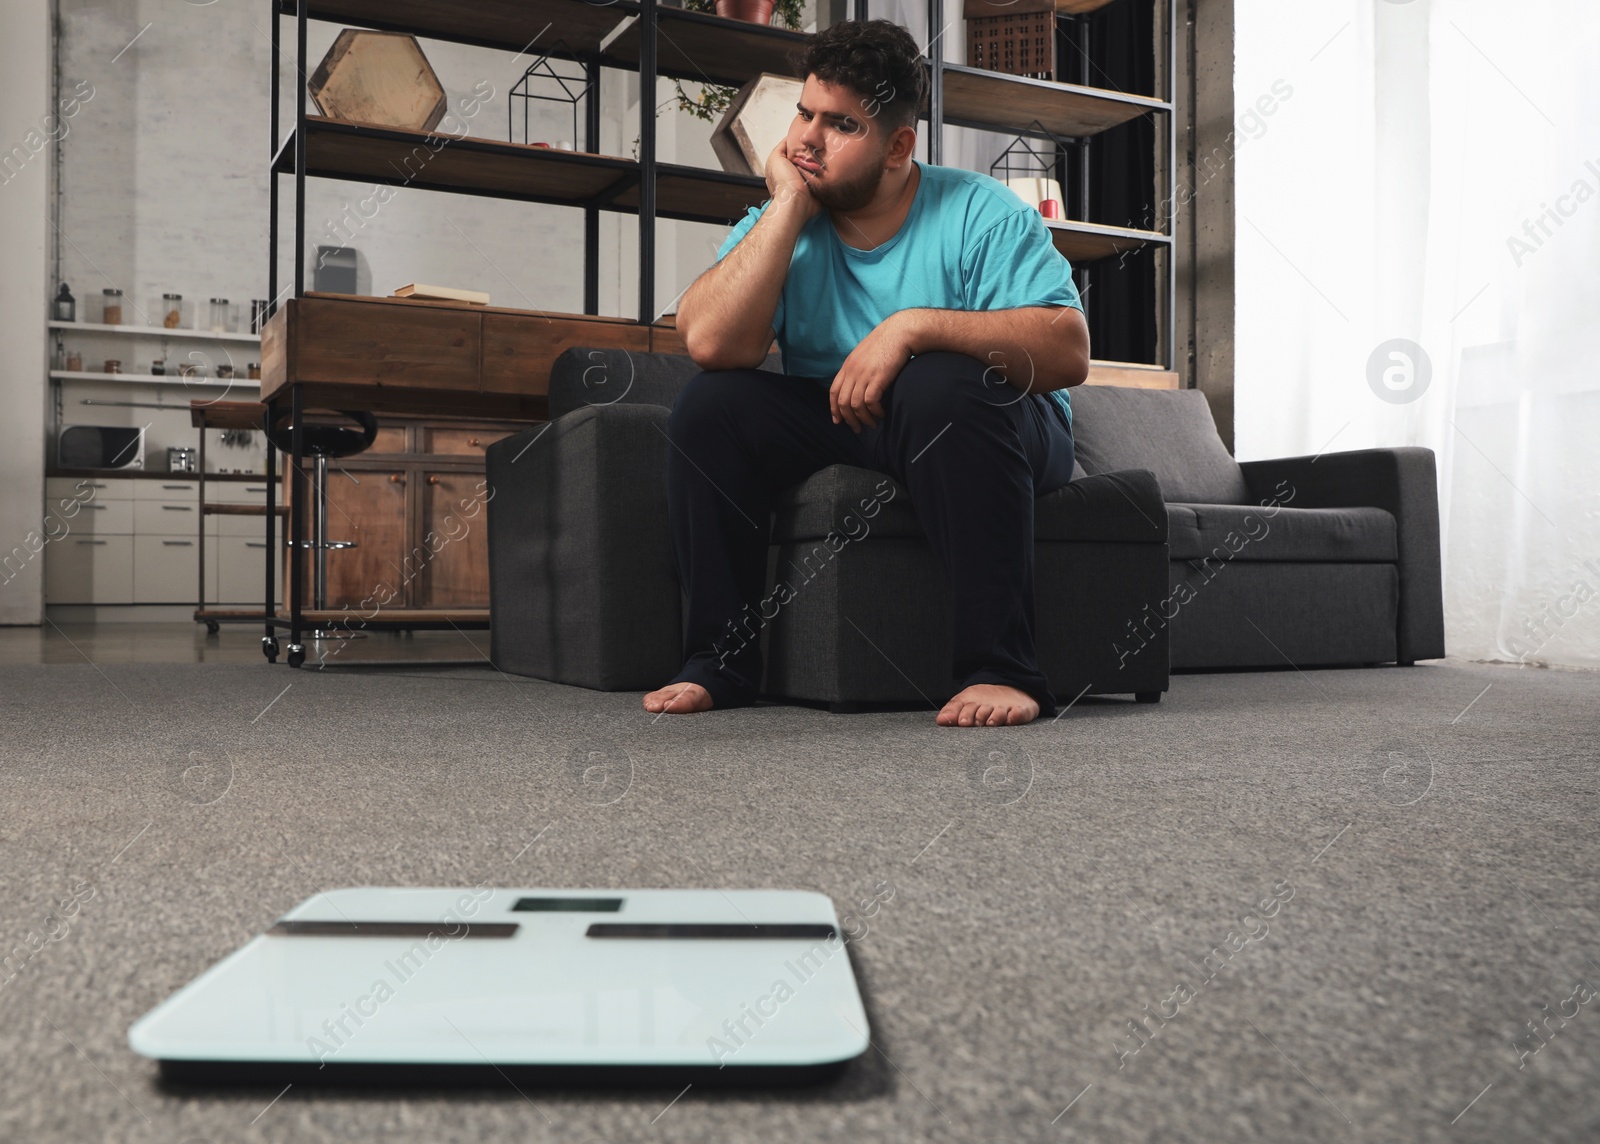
column 324, row 442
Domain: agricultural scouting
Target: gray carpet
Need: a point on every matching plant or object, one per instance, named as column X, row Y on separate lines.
column 1433, row 846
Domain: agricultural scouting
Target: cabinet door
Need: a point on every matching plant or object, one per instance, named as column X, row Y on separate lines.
column 237, row 492
column 367, row 506
column 89, row 570
column 98, row 518
column 454, row 542
column 185, row 491
column 166, row 518
column 240, row 564
column 166, row 569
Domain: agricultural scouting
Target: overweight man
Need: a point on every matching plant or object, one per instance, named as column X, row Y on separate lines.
column 929, row 330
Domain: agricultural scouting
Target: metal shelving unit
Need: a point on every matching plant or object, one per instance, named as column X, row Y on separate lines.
column 652, row 40
column 649, row 39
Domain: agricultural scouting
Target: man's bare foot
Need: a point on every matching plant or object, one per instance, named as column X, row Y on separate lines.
column 988, row 705
column 684, row 698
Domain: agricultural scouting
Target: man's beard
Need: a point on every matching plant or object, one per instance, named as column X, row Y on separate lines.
column 846, row 197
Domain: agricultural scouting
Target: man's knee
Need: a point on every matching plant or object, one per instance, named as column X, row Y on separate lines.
column 943, row 383
column 706, row 399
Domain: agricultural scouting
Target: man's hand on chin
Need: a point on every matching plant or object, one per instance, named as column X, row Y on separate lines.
column 856, row 396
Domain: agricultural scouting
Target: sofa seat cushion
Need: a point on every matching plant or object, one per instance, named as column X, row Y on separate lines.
column 855, row 503
column 1301, row 535
column 1168, row 431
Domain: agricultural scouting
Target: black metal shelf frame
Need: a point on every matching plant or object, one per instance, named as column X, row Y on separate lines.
column 644, row 38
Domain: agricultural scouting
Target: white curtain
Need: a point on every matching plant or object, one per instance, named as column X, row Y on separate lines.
column 1418, row 263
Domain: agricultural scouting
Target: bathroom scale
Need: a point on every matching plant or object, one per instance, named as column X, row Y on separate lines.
column 637, row 985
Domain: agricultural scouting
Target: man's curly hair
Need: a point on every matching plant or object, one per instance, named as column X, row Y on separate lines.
column 878, row 60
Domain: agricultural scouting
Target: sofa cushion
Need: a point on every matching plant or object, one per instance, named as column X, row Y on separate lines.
column 1168, row 431
column 854, row 502
column 1302, row 535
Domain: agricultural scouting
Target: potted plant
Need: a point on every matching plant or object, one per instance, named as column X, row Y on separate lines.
column 751, row 11
column 714, row 98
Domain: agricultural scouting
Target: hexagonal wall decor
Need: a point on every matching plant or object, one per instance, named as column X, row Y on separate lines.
column 755, row 122
column 380, row 78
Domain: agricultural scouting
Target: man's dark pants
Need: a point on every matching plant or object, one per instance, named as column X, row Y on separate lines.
column 971, row 450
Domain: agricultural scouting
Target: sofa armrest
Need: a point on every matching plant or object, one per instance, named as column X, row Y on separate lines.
column 1123, row 507
column 582, row 582
column 1401, row 481
column 596, row 376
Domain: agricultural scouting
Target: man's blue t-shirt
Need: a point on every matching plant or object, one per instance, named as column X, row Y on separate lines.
column 967, row 243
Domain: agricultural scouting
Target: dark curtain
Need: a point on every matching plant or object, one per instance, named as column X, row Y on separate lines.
column 1121, row 300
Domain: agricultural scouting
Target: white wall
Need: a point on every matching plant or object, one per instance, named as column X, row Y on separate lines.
column 26, row 123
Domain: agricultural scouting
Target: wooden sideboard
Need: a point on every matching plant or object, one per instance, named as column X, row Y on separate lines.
column 454, row 358
column 447, row 358
column 414, row 504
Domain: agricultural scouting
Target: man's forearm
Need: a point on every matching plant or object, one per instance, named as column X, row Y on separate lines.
column 1036, row 348
column 725, row 318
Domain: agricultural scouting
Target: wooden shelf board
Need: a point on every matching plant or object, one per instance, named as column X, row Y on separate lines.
column 340, row 150
column 1131, row 375
column 528, row 26
column 1085, row 242
column 995, row 101
column 696, row 46
column 707, row 48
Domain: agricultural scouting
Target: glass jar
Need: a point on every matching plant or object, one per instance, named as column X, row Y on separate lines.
column 171, row 311
column 258, row 314
column 158, row 368
column 255, row 371
column 111, row 308
column 74, row 361
column 113, row 365
column 221, row 316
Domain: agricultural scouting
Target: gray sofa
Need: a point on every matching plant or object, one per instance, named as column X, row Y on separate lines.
column 583, row 588
column 1163, row 552
column 1311, row 561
